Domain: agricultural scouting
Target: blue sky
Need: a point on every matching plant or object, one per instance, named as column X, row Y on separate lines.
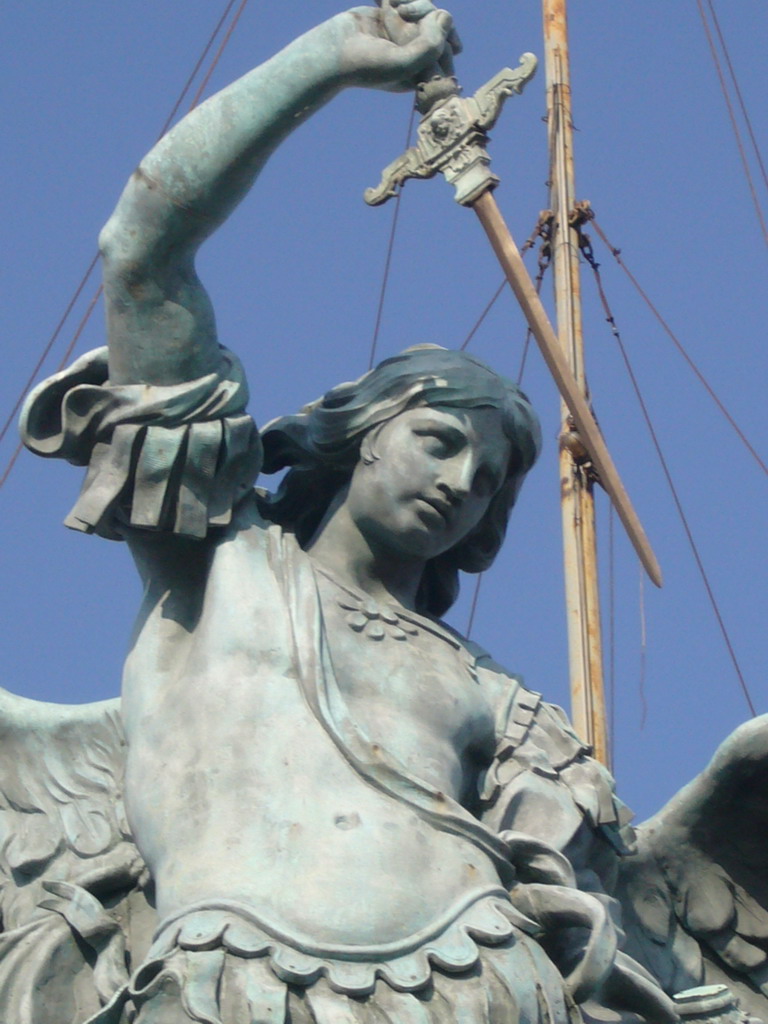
column 295, row 279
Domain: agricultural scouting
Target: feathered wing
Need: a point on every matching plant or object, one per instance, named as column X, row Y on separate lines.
column 74, row 911
column 696, row 893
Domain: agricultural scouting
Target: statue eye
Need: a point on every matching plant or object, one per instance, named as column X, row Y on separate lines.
column 436, row 441
column 486, row 482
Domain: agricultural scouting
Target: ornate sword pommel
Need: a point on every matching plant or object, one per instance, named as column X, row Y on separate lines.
column 452, row 135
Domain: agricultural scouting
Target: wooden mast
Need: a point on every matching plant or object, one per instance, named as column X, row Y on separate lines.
column 578, row 509
column 460, row 155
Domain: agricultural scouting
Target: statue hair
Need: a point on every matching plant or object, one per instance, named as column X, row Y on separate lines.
column 321, row 447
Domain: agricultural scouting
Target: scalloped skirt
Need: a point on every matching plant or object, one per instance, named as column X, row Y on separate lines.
column 512, row 983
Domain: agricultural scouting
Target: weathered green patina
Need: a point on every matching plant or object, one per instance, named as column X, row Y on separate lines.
column 316, row 802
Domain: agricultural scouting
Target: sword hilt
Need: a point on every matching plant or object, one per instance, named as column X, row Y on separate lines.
column 453, row 133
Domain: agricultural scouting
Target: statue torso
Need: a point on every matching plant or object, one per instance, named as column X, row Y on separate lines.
column 236, row 792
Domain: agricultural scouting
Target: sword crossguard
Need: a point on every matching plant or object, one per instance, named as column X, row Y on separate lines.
column 452, row 135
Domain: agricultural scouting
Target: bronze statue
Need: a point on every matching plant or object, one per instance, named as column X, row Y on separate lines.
column 315, row 802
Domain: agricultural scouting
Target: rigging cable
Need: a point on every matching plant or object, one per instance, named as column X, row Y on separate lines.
column 611, row 629
column 473, row 608
column 543, row 230
column 92, row 266
column 200, row 61
column 221, row 49
column 734, row 123
column 388, row 258
column 47, row 349
column 478, row 323
column 739, row 96
column 586, row 249
column 62, row 363
column 644, row 652
column 616, row 253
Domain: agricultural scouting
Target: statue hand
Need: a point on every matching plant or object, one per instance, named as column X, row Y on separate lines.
column 400, row 19
column 397, row 44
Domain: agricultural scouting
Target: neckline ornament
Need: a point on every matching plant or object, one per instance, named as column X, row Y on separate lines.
column 376, row 621
column 371, row 619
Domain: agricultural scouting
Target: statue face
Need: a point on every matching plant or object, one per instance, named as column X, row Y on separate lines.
column 426, row 478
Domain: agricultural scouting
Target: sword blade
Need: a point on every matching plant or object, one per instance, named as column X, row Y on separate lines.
column 511, row 262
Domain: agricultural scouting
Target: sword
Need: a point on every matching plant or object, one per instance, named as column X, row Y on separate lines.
column 451, row 140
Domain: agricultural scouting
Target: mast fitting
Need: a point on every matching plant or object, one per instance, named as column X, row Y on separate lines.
column 580, row 215
column 570, row 441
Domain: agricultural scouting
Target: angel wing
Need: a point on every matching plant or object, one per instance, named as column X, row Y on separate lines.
column 73, row 898
column 695, row 896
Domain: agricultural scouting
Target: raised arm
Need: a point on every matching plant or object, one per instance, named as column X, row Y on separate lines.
column 160, row 321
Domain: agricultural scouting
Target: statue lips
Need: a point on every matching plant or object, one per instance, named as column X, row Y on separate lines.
column 442, row 508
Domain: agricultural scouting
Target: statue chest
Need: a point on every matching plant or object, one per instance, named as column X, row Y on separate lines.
column 411, row 687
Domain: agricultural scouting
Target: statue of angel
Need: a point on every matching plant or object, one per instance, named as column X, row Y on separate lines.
column 315, row 802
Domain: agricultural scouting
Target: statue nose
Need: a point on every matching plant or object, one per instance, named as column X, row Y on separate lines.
column 457, row 479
